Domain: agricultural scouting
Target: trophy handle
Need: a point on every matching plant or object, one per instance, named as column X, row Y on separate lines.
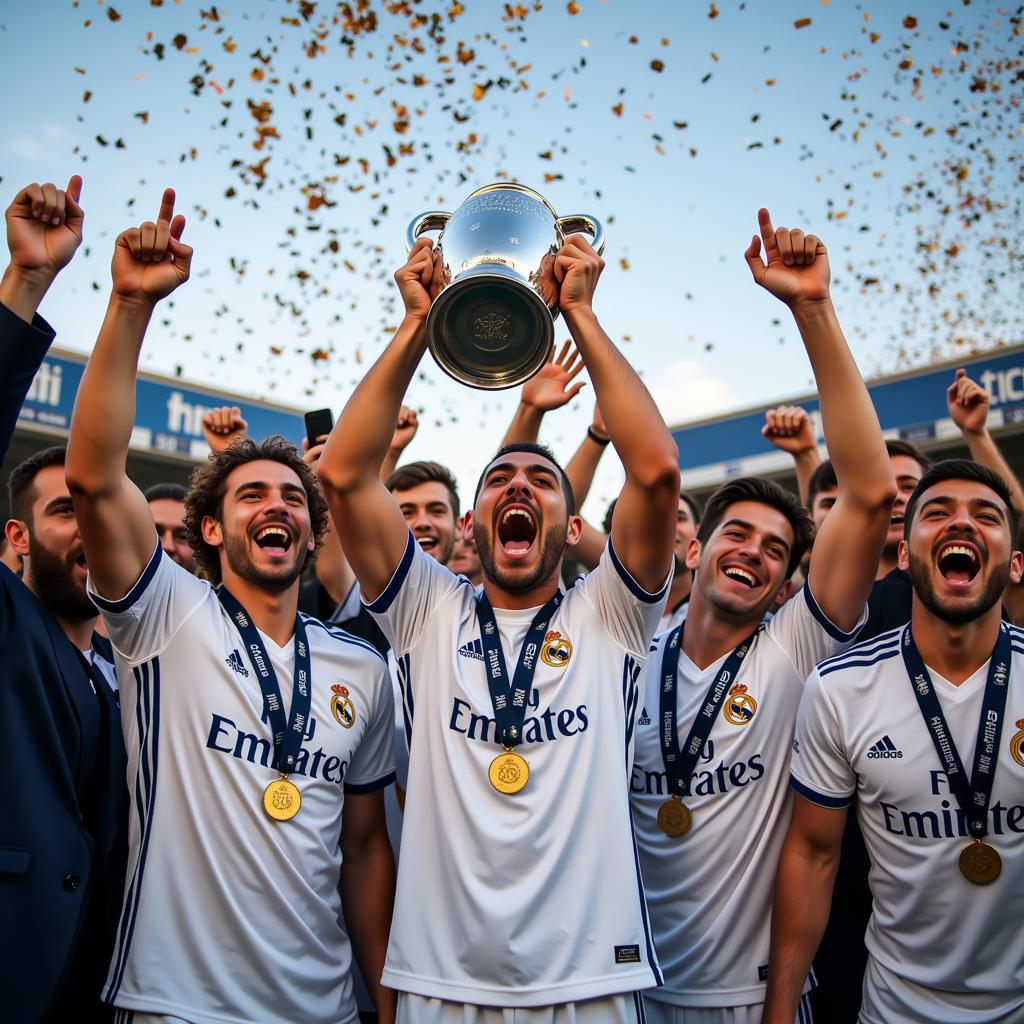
column 433, row 220
column 585, row 223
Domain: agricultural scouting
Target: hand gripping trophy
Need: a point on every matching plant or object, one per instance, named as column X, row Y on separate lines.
column 491, row 324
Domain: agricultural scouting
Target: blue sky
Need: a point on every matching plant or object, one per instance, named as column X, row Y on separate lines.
column 679, row 203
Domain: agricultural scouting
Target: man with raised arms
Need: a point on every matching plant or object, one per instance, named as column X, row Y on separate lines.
column 922, row 728
column 259, row 740
column 720, row 692
column 522, row 890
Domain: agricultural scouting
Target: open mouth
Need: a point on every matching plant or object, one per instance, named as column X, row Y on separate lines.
column 427, row 542
column 735, row 573
column 958, row 563
column 517, row 530
column 275, row 539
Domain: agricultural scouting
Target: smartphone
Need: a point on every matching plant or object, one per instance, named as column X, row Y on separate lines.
column 318, row 423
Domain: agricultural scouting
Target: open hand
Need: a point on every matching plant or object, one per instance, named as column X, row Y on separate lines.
column 797, row 268
column 968, row 403
column 551, row 387
column 150, row 261
column 44, row 227
column 223, row 425
column 414, row 279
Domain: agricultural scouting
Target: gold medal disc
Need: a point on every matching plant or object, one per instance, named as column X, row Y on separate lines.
column 509, row 772
column 674, row 818
column 980, row 864
column 282, row 800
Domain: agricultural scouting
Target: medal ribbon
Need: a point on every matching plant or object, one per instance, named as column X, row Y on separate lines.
column 680, row 761
column 972, row 794
column 288, row 734
column 509, row 698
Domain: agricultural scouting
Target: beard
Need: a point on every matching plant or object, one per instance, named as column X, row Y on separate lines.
column 53, row 578
column 275, row 581
column 959, row 613
column 552, row 548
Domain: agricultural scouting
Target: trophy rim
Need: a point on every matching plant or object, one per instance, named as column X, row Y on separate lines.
column 442, row 357
column 516, row 187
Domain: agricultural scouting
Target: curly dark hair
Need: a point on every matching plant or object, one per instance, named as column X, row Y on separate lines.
column 206, row 490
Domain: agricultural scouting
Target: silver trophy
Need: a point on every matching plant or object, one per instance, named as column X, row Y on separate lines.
column 495, row 297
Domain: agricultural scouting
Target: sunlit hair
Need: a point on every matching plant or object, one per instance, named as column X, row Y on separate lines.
column 534, row 449
column 207, row 488
column 412, row 474
column 962, row 469
column 764, row 492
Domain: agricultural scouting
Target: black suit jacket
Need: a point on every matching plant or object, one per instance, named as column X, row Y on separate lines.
column 63, row 795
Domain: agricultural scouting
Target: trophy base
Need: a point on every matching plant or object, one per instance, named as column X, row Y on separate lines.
column 489, row 331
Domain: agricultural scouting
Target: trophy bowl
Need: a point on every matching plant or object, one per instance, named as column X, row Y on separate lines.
column 495, row 297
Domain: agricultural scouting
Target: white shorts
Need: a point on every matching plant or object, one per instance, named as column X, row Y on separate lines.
column 620, row 1009
column 664, row 1013
column 889, row 997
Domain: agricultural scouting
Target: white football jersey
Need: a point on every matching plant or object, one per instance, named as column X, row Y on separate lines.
column 228, row 915
column 861, row 736
column 533, row 898
column 710, row 892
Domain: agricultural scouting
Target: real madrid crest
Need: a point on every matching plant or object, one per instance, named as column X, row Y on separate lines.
column 556, row 650
column 740, row 707
column 342, row 708
column 1017, row 743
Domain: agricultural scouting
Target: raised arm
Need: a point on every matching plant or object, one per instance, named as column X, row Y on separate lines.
column 846, row 550
column 968, row 404
column 369, row 523
column 789, row 428
column 643, row 529
column 114, row 518
column 546, row 391
column 803, row 896
column 44, row 228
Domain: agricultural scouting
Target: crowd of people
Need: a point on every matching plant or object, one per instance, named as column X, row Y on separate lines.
column 308, row 742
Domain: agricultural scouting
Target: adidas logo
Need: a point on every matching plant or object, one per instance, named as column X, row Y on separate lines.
column 234, row 660
column 474, row 649
column 884, row 748
column 644, row 719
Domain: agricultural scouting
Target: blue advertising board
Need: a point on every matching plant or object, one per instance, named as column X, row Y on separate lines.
column 168, row 414
column 910, row 406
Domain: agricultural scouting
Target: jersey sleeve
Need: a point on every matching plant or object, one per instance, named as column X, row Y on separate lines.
column 143, row 622
column 820, row 771
column 806, row 634
column 373, row 764
column 629, row 613
column 419, row 586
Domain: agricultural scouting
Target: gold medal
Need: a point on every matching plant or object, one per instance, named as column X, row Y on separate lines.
column 509, row 772
column 980, row 863
column 282, row 799
column 674, row 818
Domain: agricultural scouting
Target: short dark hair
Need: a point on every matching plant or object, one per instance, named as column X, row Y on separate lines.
column 606, row 523
column 534, row 449
column 164, row 492
column 20, row 493
column 412, row 474
column 765, row 492
column 206, row 489
column 691, row 502
column 822, row 479
column 962, row 469
column 894, row 446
